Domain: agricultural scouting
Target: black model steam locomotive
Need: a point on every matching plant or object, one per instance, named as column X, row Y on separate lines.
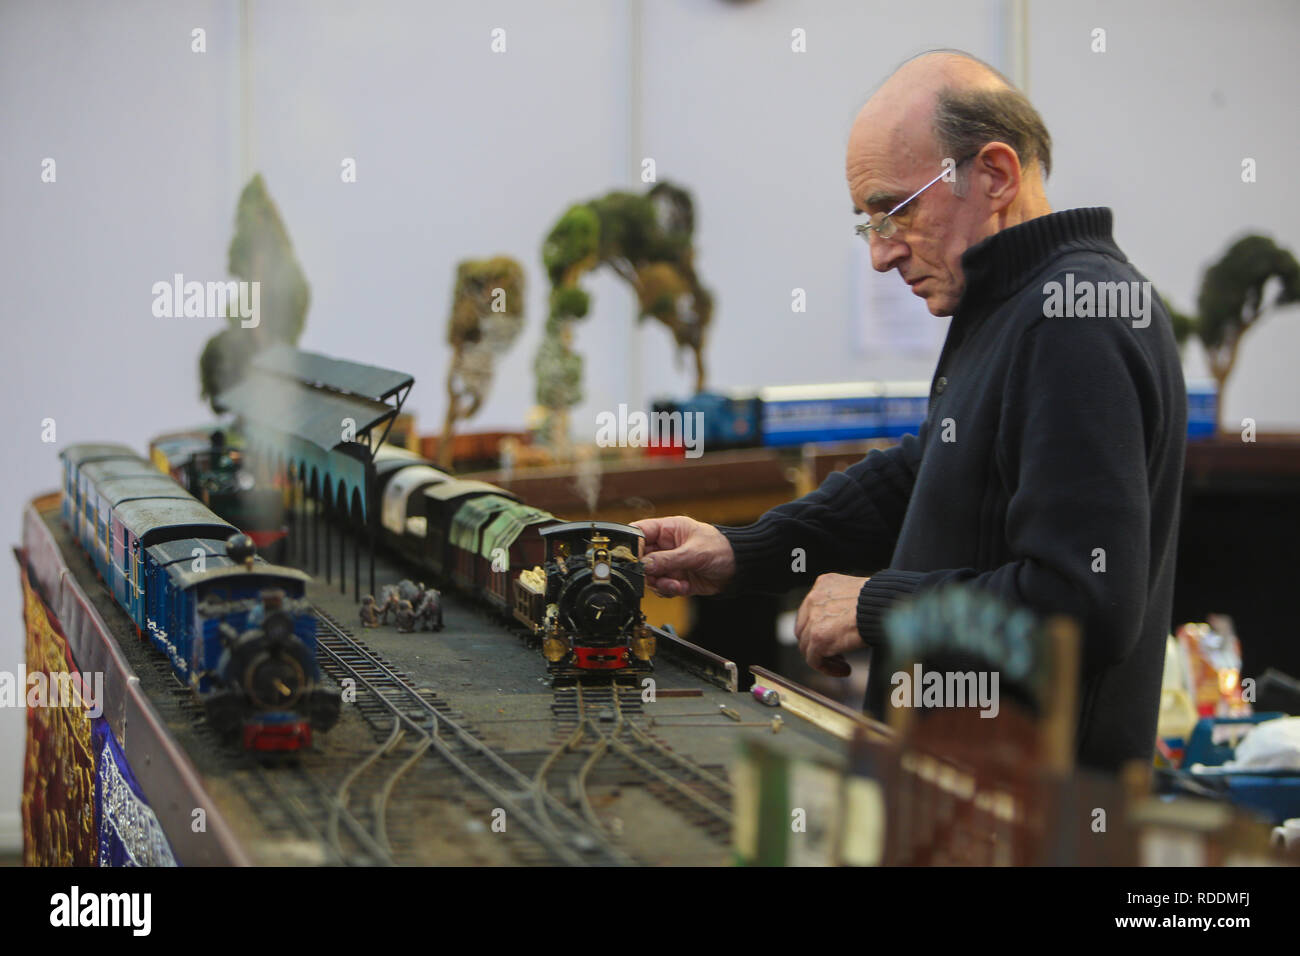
column 521, row 561
column 584, row 604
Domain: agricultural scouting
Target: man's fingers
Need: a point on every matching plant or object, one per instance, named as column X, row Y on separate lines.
column 835, row 666
column 661, row 534
column 667, row 587
column 650, row 528
column 671, row 561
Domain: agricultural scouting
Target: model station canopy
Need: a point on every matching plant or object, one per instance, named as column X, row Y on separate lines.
column 321, row 416
column 310, row 395
column 365, row 381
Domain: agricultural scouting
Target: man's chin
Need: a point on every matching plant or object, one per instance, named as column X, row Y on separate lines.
column 938, row 305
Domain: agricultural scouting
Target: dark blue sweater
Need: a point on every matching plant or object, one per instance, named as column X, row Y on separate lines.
column 1051, row 433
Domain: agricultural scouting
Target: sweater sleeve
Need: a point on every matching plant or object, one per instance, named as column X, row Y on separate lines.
column 850, row 523
column 1080, row 408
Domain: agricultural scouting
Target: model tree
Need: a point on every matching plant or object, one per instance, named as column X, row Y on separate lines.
column 1234, row 296
column 645, row 240
column 260, row 252
column 487, row 312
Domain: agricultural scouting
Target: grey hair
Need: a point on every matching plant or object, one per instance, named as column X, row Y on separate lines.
column 966, row 120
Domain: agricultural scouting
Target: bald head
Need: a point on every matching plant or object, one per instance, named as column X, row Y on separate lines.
column 905, row 103
column 945, row 110
column 937, row 104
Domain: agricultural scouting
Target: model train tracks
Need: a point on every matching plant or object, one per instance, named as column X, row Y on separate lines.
column 295, row 802
column 565, row 835
column 306, row 807
column 599, row 721
column 334, row 811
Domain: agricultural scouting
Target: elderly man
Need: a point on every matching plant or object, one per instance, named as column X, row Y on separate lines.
column 1049, row 465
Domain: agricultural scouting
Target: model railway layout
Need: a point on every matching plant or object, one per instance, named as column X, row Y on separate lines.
column 525, row 726
column 460, row 747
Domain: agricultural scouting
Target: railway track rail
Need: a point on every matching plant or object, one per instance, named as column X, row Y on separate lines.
column 566, row 836
column 294, row 802
column 602, row 721
column 341, row 808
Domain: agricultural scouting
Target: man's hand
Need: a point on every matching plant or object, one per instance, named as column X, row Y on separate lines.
column 827, row 625
column 683, row 556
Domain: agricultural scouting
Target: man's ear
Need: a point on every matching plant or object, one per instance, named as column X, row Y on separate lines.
column 996, row 174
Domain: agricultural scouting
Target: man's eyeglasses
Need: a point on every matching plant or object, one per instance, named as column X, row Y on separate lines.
column 883, row 222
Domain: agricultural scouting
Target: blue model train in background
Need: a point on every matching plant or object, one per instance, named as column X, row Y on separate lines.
column 238, row 631
column 790, row 415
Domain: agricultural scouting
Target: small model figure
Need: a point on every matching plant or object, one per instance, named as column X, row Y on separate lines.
column 408, row 590
column 388, row 603
column 369, row 612
column 429, row 615
column 405, row 618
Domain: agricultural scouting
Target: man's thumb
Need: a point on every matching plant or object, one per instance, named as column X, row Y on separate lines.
column 662, row 562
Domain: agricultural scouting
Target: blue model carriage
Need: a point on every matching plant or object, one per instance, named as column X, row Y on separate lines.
column 792, row 415
column 238, row 631
column 74, row 459
column 136, row 525
column 126, row 507
column 845, row 411
column 92, row 524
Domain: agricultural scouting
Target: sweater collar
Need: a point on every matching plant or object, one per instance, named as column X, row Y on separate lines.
column 996, row 267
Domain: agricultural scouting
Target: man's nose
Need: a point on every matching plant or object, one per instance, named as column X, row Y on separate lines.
column 885, row 253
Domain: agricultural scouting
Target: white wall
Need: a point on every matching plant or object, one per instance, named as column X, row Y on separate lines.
column 143, row 136
column 462, row 152
column 1157, row 127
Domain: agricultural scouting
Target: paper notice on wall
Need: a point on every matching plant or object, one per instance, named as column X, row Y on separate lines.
column 888, row 319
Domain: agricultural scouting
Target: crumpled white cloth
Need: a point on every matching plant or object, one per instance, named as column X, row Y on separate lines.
column 1272, row 745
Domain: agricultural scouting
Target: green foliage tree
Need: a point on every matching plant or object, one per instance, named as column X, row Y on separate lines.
column 487, row 313
column 1234, row 296
column 647, row 241
column 261, row 252
column 571, row 246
